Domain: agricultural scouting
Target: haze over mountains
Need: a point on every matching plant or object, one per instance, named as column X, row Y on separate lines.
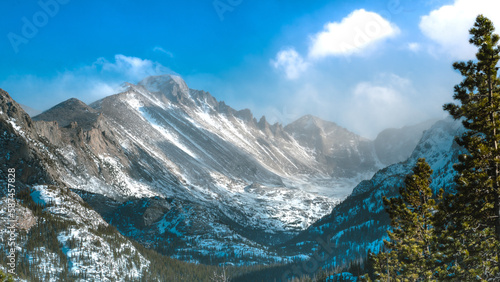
column 193, row 178
column 359, row 224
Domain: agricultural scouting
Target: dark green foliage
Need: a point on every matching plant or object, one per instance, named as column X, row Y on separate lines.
column 168, row 269
column 278, row 272
column 457, row 240
column 469, row 221
column 25, row 196
column 264, row 273
column 408, row 253
column 5, row 277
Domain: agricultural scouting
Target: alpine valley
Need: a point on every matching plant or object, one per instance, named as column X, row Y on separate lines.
column 164, row 176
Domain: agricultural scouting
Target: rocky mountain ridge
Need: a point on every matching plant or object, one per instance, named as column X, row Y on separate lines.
column 213, row 178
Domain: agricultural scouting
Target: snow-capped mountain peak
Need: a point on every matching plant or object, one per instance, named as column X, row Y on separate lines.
column 172, row 86
column 226, row 175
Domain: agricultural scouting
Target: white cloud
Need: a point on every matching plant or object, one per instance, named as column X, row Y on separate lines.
column 388, row 100
column 355, row 33
column 88, row 83
column 130, row 68
column 449, row 25
column 290, row 62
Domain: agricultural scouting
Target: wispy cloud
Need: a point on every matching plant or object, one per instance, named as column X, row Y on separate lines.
column 290, row 62
column 366, row 108
column 129, row 68
column 161, row 50
column 414, row 47
column 388, row 99
column 448, row 26
column 88, row 83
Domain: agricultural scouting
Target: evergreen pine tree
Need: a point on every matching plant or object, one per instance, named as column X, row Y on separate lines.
column 470, row 220
column 409, row 250
column 5, row 277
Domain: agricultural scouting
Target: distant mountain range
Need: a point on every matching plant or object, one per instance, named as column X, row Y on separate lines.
column 359, row 224
column 189, row 176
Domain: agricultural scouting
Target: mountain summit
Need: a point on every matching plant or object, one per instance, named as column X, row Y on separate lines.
column 70, row 111
column 172, row 86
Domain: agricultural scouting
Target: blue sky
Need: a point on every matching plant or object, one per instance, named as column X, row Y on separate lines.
column 366, row 65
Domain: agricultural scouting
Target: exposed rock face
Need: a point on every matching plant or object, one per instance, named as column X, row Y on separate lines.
column 155, row 211
column 51, row 131
column 9, row 109
column 343, row 152
column 22, row 148
column 24, row 217
column 72, row 111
